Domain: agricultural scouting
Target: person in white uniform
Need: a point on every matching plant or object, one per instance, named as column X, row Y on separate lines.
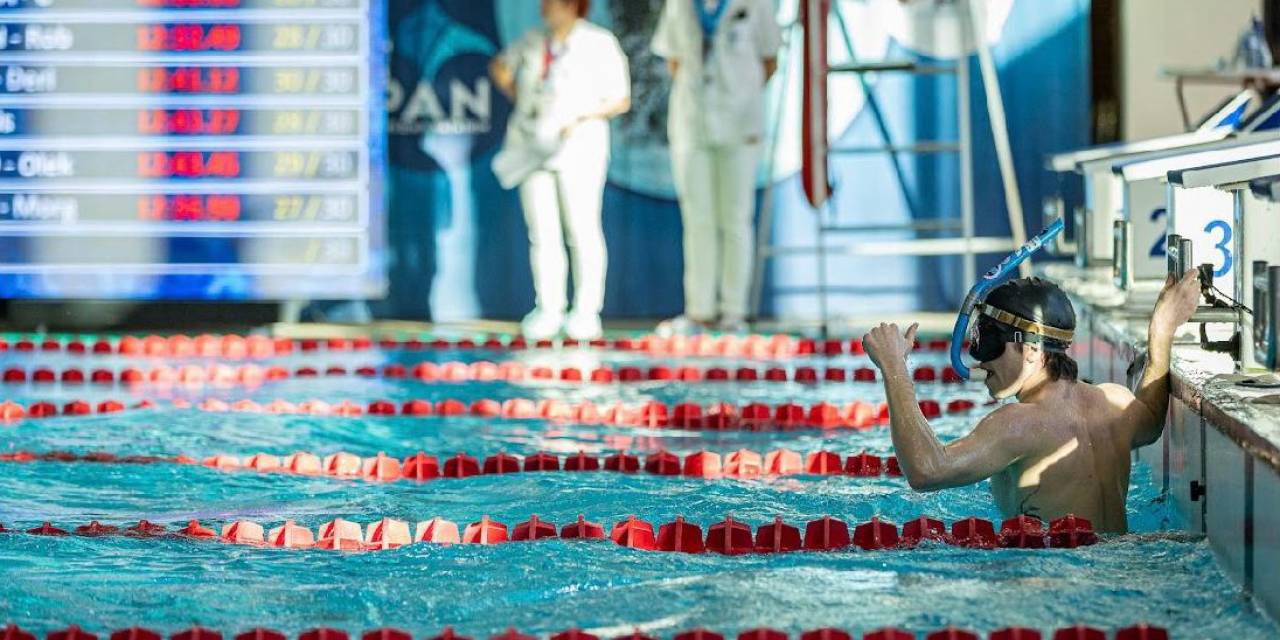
column 720, row 53
column 567, row 79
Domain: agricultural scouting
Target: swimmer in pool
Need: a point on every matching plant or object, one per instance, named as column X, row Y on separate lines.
column 1063, row 447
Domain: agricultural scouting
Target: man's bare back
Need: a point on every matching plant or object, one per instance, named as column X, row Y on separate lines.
column 1064, row 447
column 1079, row 463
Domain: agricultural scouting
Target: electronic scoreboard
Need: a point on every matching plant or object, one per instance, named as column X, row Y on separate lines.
column 192, row 149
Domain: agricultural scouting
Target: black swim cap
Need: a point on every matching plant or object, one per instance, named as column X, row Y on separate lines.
column 1028, row 302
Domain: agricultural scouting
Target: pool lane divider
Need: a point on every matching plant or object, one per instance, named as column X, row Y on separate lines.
column 252, row 375
column 653, row 414
column 238, row 347
column 12, row 411
column 421, row 467
column 727, row 537
column 1139, row 631
column 688, row 416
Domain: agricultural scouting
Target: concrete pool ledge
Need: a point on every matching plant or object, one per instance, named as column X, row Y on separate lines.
column 1219, row 457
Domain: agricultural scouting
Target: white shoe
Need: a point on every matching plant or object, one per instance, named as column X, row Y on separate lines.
column 583, row 326
column 734, row 325
column 541, row 324
column 680, row 325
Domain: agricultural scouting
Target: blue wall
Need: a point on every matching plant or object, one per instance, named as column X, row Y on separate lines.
column 458, row 242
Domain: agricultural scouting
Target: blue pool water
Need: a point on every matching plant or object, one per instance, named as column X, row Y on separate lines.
column 1155, row 574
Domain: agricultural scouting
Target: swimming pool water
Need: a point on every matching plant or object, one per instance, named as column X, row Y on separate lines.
column 1156, row 574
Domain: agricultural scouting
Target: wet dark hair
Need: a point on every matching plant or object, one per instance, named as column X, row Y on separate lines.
column 1060, row 366
column 583, row 7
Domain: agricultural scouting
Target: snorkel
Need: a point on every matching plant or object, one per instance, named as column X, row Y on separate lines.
column 988, row 282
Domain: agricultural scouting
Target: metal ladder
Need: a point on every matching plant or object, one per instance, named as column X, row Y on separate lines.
column 827, row 223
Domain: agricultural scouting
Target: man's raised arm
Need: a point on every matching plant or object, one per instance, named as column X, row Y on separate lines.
column 926, row 462
column 1174, row 308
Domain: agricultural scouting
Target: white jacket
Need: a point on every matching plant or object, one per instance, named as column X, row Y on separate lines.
column 589, row 71
column 723, row 103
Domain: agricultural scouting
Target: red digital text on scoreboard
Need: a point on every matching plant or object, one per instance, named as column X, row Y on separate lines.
column 189, row 80
column 188, row 37
column 189, row 4
column 189, row 208
column 188, row 164
column 189, row 122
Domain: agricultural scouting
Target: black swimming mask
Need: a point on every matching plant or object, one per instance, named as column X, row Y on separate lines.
column 987, row 339
column 1026, row 310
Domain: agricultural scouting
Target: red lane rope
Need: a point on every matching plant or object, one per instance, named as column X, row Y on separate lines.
column 728, row 537
column 721, row 416
column 258, row 347
column 253, row 375
column 740, row 464
column 12, row 411
column 1078, row 632
column 691, row 416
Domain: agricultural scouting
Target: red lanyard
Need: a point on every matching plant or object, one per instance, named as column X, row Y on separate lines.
column 549, row 58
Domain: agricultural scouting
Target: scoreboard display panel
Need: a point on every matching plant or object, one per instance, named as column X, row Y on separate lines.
column 192, row 149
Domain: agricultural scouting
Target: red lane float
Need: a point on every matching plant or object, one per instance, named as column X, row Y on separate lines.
column 253, row 375
column 654, row 415
column 777, row 537
column 421, row 467
column 1136, row 632
column 259, row 346
column 12, row 411
column 727, row 537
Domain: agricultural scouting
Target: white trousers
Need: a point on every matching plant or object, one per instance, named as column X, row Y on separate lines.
column 717, row 187
column 564, row 207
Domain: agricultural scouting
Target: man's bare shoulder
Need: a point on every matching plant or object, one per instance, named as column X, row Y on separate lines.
column 1014, row 420
column 1114, row 392
column 1014, row 411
